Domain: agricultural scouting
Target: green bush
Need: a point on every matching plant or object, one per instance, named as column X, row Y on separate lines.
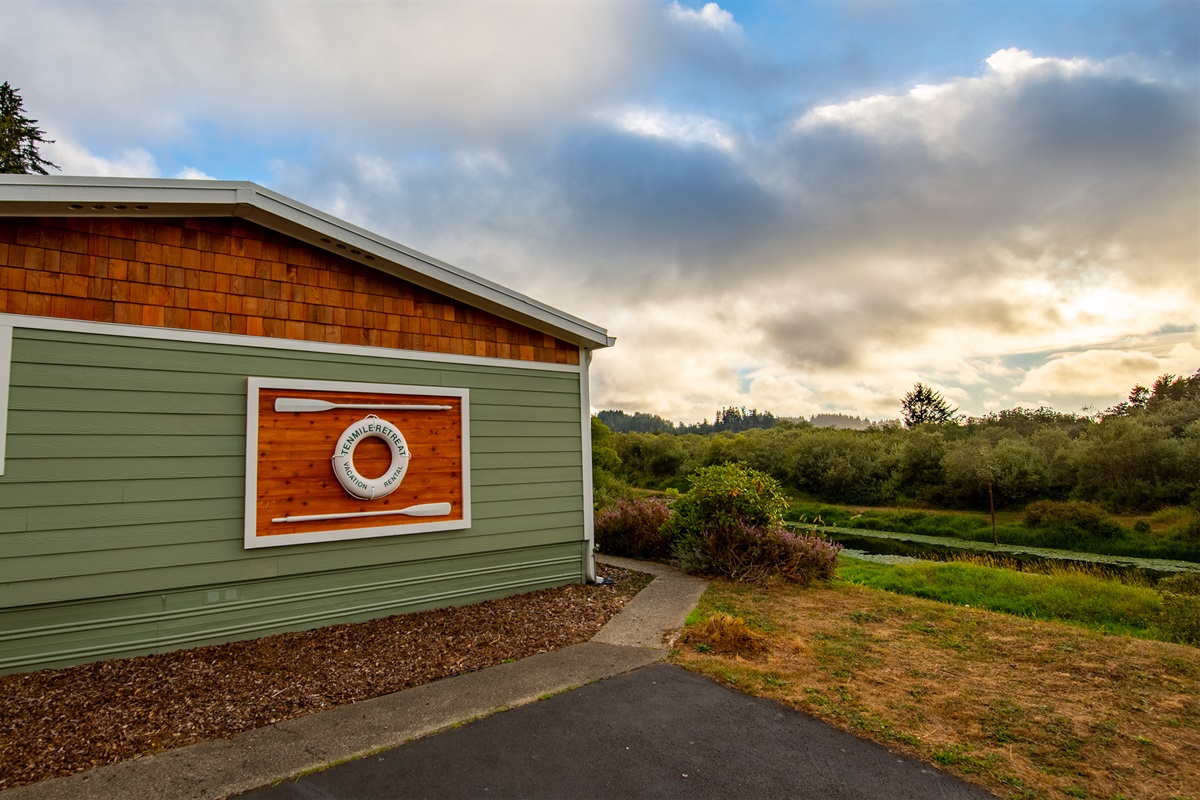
column 728, row 524
column 607, row 489
column 1182, row 583
column 635, row 528
column 1180, row 615
column 728, row 493
column 1072, row 519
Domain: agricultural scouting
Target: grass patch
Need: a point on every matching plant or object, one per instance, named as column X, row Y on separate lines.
column 1023, row 707
column 1071, row 594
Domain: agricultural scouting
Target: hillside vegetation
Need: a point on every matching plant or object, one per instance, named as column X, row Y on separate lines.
column 1136, row 457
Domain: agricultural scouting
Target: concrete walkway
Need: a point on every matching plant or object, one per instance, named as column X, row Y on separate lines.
column 640, row 634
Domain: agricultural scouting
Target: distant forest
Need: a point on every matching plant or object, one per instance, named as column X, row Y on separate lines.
column 1140, row 455
column 733, row 420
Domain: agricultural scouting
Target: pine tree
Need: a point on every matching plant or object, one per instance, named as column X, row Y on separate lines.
column 923, row 405
column 19, row 137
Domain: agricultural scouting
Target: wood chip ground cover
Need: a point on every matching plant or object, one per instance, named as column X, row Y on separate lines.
column 1026, row 709
column 58, row 722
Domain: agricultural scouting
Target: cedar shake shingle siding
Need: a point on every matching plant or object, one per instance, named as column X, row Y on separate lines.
column 232, row 276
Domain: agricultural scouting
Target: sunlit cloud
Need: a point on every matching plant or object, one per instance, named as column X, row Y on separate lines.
column 710, row 15
column 681, row 129
column 1095, row 373
column 75, row 159
column 761, row 218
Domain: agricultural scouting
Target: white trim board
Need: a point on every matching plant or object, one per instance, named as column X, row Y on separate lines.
column 252, row 540
column 243, row 340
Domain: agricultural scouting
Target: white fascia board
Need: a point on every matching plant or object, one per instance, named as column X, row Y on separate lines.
column 35, row 195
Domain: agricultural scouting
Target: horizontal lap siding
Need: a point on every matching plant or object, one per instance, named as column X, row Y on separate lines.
column 121, row 504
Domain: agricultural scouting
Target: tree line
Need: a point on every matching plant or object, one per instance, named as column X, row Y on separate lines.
column 1140, row 455
column 731, row 420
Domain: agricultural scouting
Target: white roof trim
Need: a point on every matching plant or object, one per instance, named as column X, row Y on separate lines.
column 65, row 196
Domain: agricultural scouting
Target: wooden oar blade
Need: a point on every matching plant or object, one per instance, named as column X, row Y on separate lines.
column 427, row 510
column 301, row 404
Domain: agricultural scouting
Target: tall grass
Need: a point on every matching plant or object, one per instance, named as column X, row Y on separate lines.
column 1075, row 594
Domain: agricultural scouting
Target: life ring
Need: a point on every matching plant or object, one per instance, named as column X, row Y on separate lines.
column 351, row 480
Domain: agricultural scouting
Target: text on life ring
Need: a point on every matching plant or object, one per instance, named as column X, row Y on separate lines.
column 343, row 459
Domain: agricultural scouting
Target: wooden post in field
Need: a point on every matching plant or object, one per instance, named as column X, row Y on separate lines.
column 992, row 505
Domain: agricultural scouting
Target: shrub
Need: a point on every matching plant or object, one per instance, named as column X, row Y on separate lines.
column 1180, row 615
column 1072, row 519
column 728, row 524
column 607, row 489
column 1182, row 583
column 727, row 493
column 635, row 528
column 1188, row 531
column 749, row 553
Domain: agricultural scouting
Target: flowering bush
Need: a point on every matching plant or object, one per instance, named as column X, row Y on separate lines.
column 742, row 551
column 635, row 528
column 729, row 524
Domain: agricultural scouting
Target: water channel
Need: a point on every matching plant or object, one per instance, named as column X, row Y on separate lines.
column 895, row 548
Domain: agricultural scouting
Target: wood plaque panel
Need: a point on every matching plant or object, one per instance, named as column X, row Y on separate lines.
column 293, row 494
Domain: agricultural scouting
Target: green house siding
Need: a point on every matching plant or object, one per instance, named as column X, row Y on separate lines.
column 122, row 499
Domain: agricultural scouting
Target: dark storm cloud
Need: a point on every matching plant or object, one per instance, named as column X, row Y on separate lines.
column 689, row 209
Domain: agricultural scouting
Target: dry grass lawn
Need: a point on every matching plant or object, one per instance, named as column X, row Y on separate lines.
column 1025, row 709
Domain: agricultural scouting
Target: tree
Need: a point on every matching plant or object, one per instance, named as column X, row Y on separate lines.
column 924, row 405
column 19, row 137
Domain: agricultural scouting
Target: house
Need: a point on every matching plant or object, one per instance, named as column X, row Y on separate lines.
column 224, row 414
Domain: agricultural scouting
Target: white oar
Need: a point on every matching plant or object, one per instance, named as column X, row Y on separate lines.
column 303, row 404
column 425, row 510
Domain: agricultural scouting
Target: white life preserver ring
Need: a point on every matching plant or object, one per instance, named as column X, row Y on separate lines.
column 343, row 458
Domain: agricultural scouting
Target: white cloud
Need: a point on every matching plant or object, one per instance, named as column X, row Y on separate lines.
column 681, row 129
column 924, row 236
column 710, row 15
column 743, row 254
column 1097, row 374
column 400, row 70
column 75, row 159
column 191, row 173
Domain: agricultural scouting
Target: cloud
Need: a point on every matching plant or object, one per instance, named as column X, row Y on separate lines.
column 75, row 159
column 683, row 129
column 849, row 252
column 398, row 70
column 648, row 167
column 191, row 173
column 1098, row 373
column 710, row 15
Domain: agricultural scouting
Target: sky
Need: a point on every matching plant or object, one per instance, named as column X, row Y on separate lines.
column 800, row 207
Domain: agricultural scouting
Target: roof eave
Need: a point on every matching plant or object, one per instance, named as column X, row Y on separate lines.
column 54, row 196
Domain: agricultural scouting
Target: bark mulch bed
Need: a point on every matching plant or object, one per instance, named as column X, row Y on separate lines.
column 60, row 721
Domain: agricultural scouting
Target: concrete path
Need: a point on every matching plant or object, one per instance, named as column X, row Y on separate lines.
column 650, row 729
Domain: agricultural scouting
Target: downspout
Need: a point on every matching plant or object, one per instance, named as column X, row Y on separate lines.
column 589, row 517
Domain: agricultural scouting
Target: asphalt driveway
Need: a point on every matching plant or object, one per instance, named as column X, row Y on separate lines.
column 659, row 731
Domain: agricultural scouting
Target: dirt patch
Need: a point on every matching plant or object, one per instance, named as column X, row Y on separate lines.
column 58, row 722
column 1026, row 709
